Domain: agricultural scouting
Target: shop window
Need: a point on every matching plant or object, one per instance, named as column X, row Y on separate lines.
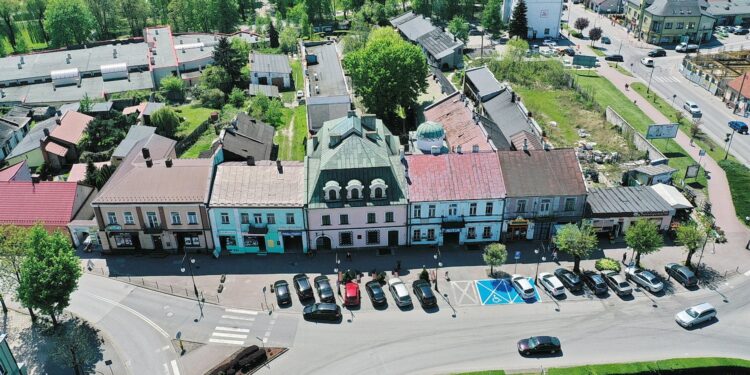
column 373, row 237
column 345, row 239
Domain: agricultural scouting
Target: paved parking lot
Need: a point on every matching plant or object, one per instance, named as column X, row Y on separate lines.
column 501, row 292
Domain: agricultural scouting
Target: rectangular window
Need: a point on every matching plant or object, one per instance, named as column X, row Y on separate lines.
column 656, row 26
column 192, row 241
column 290, row 218
column 325, row 220
column 257, row 218
column 570, row 204
column 680, row 25
column 153, row 222
column 123, row 240
column 667, row 25
column 271, row 218
column 488, row 208
column 344, row 219
column 472, row 233
column 128, row 218
column 389, row 217
column 473, row 209
column 373, row 237
column 487, row 232
column 417, row 211
column 245, row 218
column 521, row 206
column 345, row 239
column 370, row 217
column 431, row 234
column 175, row 218
column 691, row 25
column 546, row 31
column 229, row 240
column 224, row 218
column 453, row 210
column 250, row 241
column 112, row 217
column 417, row 235
column 544, row 206
column 192, row 218
column 431, row 211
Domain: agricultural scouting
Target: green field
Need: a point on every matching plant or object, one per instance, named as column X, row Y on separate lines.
column 202, row 144
column 194, row 115
column 293, row 149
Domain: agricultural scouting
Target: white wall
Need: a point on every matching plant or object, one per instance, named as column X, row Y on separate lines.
column 541, row 15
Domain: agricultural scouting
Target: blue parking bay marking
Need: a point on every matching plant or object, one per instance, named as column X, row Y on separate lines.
column 501, row 292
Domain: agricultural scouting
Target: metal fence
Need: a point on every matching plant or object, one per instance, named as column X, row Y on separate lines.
column 175, row 290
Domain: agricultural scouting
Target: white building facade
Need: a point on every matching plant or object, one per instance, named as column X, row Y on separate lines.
column 543, row 17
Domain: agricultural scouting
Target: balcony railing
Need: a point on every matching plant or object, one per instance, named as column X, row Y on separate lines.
column 154, row 229
column 261, row 228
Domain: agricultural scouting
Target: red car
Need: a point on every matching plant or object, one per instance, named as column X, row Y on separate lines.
column 351, row 294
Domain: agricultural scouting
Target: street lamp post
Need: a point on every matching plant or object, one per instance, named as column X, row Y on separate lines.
column 673, row 99
column 336, row 271
column 729, row 143
column 648, row 89
column 536, row 274
column 439, row 264
column 192, row 277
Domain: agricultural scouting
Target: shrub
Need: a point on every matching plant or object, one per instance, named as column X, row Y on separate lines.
column 237, row 98
column 424, row 275
column 212, row 98
column 607, row 264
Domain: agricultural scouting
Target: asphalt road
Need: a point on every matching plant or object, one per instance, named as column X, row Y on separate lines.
column 667, row 80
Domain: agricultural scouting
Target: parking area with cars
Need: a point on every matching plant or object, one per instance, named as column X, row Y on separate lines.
column 502, row 292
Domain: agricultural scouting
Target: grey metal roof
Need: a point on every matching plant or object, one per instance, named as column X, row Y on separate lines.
column 69, row 107
column 152, row 107
column 6, row 132
column 626, row 201
column 402, row 18
column 19, row 111
column 136, row 133
column 415, row 27
column 508, row 116
column 31, row 140
column 268, row 63
column 261, row 185
column 331, row 80
column 655, row 170
column 439, row 43
column 162, row 51
column 101, row 107
column 269, row 90
column 249, row 137
column 672, row 8
column 728, row 7
column 483, row 81
column 195, row 46
column 322, row 109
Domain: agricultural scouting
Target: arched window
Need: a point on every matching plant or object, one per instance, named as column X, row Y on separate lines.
column 332, row 195
column 378, row 193
column 354, row 189
column 331, row 191
column 354, row 194
column 377, row 189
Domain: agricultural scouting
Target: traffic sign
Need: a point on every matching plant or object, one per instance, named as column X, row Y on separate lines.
column 518, row 255
column 702, row 153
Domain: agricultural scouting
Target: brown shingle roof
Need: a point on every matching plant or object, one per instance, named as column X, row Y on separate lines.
column 532, row 142
column 542, row 173
column 737, row 83
column 454, row 177
column 460, row 128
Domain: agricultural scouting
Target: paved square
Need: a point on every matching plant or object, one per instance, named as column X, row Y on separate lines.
column 464, row 292
column 501, row 292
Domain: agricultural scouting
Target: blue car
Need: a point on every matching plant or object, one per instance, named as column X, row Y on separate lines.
column 738, row 126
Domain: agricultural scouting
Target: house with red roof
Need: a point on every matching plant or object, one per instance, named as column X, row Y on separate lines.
column 455, row 198
column 16, row 172
column 60, row 146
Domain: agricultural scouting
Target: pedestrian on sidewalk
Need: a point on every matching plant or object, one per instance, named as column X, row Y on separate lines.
column 554, row 256
column 398, row 266
column 626, row 87
column 624, row 257
column 349, row 256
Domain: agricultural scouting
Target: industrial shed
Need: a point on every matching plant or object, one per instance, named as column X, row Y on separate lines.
column 114, row 71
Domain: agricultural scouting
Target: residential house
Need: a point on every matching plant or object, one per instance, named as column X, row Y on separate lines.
column 161, row 147
column 156, row 204
column 14, row 126
column 356, row 192
column 737, row 92
column 669, row 21
column 730, row 12
column 455, row 198
column 613, row 210
column 326, row 91
column 246, row 138
column 543, row 17
column 543, row 188
column 16, row 172
column 60, row 146
column 100, row 109
column 649, row 175
column 29, row 149
column 257, row 208
column 443, row 50
column 144, row 111
column 268, row 69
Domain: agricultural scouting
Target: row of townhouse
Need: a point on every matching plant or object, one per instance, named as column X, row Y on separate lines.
column 358, row 187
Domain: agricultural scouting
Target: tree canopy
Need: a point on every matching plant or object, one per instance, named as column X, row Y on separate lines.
column 576, row 241
column 491, row 19
column 581, row 23
column 103, row 135
column 643, row 236
column 519, row 23
column 494, row 255
column 68, row 22
column 692, row 237
column 595, row 33
column 166, row 122
column 459, row 28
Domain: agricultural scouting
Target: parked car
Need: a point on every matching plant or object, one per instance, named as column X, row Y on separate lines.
column 741, row 32
column 474, row 31
column 595, row 282
column 300, row 94
column 375, row 291
column 322, row 311
column 695, row 315
column 646, row 279
column 283, row 297
column 351, row 294
column 552, row 284
column 720, row 29
column 569, row 279
column 735, row 29
column 303, row 287
column 522, row 285
column 647, row 61
column 618, row 283
column 399, row 292
column 566, row 51
column 617, row 58
column 549, row 43
column 682, row 274
column 606, row 40
column 659, row 52
column 685, row 47
column 692, row 108
column 325, row 292
column 738, row 126
column 539, row 345
column 421, row 289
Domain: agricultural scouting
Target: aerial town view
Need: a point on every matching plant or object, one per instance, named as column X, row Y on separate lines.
column 232, row 187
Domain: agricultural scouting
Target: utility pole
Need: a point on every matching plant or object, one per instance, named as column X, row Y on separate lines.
column 648, row 89
column 729, row 143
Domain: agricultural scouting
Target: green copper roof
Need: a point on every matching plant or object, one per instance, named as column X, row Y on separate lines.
column 430, row 130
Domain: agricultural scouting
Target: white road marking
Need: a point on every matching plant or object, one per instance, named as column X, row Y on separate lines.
column 238, row 311
column 233, row 329
column 268, row 333
column 136, row 313
column 230, row 335
column 166, row 369
column 265, row 340
column 230, row 342
column 175, row 369
column 747, row 273
column 237, row 318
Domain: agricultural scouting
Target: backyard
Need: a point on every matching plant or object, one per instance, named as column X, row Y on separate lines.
column 193, row 114
column 291, row 137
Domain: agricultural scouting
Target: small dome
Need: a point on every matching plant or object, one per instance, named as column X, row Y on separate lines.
column 430, row 130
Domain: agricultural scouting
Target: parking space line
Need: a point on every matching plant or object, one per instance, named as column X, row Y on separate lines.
column 465, row 290
column 230, row 335
column 230, row 342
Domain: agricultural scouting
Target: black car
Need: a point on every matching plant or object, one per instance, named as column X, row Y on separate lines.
column 539, row 345
column 303, row 287
column 283, row 297
column 424, row 293
column 682, row 274
column 595, row 282
column 657, row 53
column 741, row 31
column 617, row 58
column 325, row 292
column 568, row 51
column 322, row 311
column 569, row 279
column 375, row 291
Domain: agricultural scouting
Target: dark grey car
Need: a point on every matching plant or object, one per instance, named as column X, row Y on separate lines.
column 595, row 282
column 325, row 292
column 682, row 274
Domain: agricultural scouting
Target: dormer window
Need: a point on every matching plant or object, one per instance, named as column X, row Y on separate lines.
column 331, row 191
column 377, row 189
column 354, row 189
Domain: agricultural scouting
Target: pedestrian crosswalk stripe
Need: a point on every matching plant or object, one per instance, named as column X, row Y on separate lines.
column 230, row 335
column 238, row 311
column 232, row 329
column 747, row 273
column 237, row 318
column 232, row 342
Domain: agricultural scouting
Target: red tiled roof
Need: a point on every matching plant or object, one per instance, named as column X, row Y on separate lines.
column 10, row 173
column 72, row 126
column 136, row 108
column 454, row 177
column 56, row 149
column 736, row 84
column 460, row 128
column 78, row 171
column 542, row 173
column 25, row 203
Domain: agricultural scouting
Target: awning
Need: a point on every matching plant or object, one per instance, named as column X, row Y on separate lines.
column 672, row 196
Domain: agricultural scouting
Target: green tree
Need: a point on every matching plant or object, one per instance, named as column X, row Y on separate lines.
column 494, row 255
column 231, row 60
column 581, row 23
column 459, row 28
column 135, row 13
column 267, row 109
column 12, row 252
column 8, row 9
column 85, row 104
column 49, row 273
column 519, row 23
column 215, row 77
column 576, row 241
column 387, row 64
column 225, row 15
column 273, row 36
column 91, row 174
column 59, row 17
column 595, row 33
column 103, row 175
column 491, row 19
column 692, row 237
column 105, row 16
column 288, row 39
column 173, row 88
column 212, row 98
column 643, row 237
column 237, row 98
column 21, row 45
column 166, row 122
column 103, row 135
column 422, row 7
column 77, row 344
column 37, row 8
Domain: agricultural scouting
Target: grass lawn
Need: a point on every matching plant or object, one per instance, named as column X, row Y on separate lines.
column 293, row 149
column 739, row 179
column 620, row 69
column 299, row 79
column 651, row 367
column 202, row 144
column 606, row 94
column 597, row 51
column 194, row 115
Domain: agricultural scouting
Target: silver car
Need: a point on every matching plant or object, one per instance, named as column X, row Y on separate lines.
column 522, row 285
column 617, row 283
column 695, row 315
column 399, row 292
column 645, row 279
column 552, row 284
